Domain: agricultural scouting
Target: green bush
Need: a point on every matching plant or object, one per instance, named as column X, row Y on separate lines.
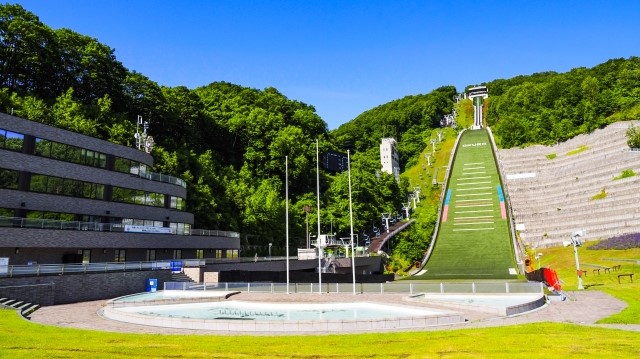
column 625, row 174
column 633, row 137
column 551, row 156
column 601, row 195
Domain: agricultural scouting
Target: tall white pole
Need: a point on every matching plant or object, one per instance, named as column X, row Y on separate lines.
column 286, row 206
column 353, row 252
column 318, row 244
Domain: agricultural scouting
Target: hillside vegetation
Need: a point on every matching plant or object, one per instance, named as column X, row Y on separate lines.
column 227, row 141
column 552, row 107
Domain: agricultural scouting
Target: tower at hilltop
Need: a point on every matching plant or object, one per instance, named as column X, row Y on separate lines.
column 477, row 95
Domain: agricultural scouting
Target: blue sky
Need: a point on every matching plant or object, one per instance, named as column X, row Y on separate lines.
column 345, row 57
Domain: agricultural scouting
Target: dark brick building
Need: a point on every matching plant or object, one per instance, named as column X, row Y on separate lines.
column 67, row 197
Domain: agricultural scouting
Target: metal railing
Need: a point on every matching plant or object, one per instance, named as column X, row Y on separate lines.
column 75, row 268
column 366, row 288
column 158, row 177
column 97, row 227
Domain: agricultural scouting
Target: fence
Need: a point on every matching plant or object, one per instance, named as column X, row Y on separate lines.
column 20, row 222
column 74, row 268
column 365, row 288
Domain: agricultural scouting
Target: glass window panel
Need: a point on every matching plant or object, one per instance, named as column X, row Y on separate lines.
column 122, row 165
column 43, row 147
column 58, row 151
column 55, row 185
column 102, row 160
column 14, row 141
column 38, row 183
column 8, row 179
column 99, row 193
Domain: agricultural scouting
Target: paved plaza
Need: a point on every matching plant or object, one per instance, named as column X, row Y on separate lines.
column 584, row 308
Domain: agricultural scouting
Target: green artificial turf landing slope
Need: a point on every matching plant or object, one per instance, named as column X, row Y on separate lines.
column 473, row 241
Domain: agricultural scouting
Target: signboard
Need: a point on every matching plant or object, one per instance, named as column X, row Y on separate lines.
column 146, row 229
column 4, row 265
column 176, row 266
column 334, row 161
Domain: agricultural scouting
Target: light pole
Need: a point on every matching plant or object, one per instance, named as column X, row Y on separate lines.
column 270, row 244
column 576, row 242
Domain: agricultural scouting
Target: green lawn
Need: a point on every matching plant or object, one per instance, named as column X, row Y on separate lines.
column 22, row 339
column 474, row 241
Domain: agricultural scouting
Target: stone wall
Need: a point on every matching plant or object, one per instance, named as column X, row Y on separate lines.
column 71, row 288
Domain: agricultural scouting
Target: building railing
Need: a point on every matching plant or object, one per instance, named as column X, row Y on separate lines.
column 21, row 222
column 158, row 177
column 368, row 288
column 76, row 268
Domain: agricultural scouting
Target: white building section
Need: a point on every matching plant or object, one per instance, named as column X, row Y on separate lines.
column 389, row 157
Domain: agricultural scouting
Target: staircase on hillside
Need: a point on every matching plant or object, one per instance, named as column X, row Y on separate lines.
column 378, row 242
column 25, row 308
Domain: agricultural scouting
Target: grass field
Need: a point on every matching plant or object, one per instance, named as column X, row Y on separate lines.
column 473, row 241
column 22, row 339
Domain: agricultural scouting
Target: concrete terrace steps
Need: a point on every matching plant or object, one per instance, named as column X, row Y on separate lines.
column 23, row 307
column 535, row 201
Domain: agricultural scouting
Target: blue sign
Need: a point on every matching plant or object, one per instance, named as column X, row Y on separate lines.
column 176, row 266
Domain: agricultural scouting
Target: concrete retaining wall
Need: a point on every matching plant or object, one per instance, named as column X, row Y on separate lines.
column 50, row 290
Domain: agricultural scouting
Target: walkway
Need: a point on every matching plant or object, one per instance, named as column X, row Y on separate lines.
column 587, row 308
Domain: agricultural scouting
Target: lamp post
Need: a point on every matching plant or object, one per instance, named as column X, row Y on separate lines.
column 577, row 242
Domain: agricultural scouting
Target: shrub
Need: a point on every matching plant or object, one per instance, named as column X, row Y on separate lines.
column 578, row 150
column 551, row 156
column 633, row 137
column 625, row 174
column 601, row 195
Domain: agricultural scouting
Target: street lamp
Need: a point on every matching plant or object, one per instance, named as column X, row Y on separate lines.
column 538, row 255
column 576, row 242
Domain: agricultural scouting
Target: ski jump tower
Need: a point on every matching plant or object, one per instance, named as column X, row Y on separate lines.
column 477, row 95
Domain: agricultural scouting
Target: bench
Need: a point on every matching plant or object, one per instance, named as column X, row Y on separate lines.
column 597, row 270
column 582, row 272
column 630, row 275
column 616, row 268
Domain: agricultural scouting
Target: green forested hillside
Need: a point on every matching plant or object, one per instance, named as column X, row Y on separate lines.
column 552, row 107
column 227, row 141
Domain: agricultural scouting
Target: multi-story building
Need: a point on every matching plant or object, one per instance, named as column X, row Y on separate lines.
column 67, row 197
column 389, row 157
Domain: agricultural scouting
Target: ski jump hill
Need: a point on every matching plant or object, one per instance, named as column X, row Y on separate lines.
column 474, row 239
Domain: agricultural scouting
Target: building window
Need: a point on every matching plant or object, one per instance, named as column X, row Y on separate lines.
column 151, row 255
column 8, row 179
column 232, row 253
column 177, row 254
column 86, row 255
column 218, row 253
column 11, row 140
column 200, row 253
column 120, row 255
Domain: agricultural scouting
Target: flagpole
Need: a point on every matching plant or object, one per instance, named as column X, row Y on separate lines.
column 353, row 252
column 318, row 244
column 286, row 186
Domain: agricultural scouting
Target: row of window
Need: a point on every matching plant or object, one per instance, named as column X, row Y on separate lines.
column 68, row 153
column 60, row 151
column 66, row 187
column 75, row 188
